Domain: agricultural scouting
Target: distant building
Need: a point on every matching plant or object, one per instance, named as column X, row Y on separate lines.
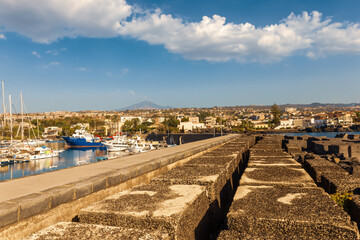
column 261, row 125
column 124, row 119
column 194, row 119
column 286, row 123
column 302, row 122
column 159, row 119
column 189, row 126
column 51, row 132
column 210, row 121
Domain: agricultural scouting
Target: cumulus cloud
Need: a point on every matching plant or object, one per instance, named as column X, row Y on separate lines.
column 211, row 39
column 215, row 40
column 36, row 54
column 2, row 36
column 45, row 21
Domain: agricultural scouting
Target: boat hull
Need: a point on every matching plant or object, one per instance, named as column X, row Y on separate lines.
column 80, row 142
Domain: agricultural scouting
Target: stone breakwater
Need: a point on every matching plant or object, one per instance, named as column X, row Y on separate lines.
column 186, row 202
column 333, row 164
column 236, row 188
column 277, row 199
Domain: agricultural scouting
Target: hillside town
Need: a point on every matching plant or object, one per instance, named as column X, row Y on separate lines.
column 185, row 120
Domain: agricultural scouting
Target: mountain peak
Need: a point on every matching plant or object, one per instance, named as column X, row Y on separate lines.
column 144, row 105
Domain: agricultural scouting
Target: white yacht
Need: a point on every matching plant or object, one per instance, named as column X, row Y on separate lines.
column 118, row 143
column 43, row 152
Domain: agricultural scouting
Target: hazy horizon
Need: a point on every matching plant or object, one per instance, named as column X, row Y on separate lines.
column 109, row 54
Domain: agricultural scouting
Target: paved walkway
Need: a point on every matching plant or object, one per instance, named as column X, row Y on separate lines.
column 27, row 185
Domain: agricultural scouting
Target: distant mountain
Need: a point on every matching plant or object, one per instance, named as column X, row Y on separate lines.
column 143, row 106
column 323, row 105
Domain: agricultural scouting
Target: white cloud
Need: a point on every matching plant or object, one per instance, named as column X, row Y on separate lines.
column 47, row 20
column 2, row 36
column 83, row 69
column 109, row 74
column 211, row 39
column 54, row 63
column 132, row 92
column 52, row 52
column 51, row 64
column 215, row 40
column 36, row 54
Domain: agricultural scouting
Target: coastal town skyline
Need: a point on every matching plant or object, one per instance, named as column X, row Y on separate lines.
column 110, row 54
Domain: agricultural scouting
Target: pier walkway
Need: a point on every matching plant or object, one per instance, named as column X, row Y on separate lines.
column 234, row 187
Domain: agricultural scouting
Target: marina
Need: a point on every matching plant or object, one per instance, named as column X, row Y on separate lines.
column 69, row 158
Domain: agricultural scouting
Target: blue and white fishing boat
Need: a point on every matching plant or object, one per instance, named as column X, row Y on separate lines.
column 82, row 138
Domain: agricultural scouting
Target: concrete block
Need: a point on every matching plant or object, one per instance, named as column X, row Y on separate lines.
column 333, row 182
column 317, row 172
column 114, row 178
column 82, row 188
column 222, row 152
column 274, row 175
column 268, row 154
column 260, row 162
column 213, row 177
column 60, row 195
column 33, row 204
column 317, row 167
column 232, row 235
column 302, row 213
column 99, row 182
column 179, row 210
column 72, row 230
column 354, row 208
column 229, row 162
column 8, row 213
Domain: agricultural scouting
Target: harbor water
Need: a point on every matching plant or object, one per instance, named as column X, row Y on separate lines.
column 68, row 158
column 319, row 134
column 79, row 156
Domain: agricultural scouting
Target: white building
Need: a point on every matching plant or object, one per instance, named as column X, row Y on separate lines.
column 189, row 126
column 124, row 119
column 51, row 132
column 288, row 123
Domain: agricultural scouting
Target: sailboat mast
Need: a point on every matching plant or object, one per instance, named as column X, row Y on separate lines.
column 37, row 124
column 4, row 109
column 11, row 124
column 22, row 117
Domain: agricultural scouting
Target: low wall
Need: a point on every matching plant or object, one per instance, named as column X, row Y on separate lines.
column 35, row 202
column 185, row 137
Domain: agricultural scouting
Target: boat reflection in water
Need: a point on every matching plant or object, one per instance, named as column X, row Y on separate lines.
column 69, row 158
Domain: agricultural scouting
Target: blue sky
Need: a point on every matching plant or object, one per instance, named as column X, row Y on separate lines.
column 112, row 53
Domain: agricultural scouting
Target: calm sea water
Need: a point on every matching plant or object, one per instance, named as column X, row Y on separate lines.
column 319, row 134
column 68, row 158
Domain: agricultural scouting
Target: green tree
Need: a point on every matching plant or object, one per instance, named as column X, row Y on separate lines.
column 276, row 112
column 171, row 124
column 185, row 119
column 203, row 115
column 357, row 117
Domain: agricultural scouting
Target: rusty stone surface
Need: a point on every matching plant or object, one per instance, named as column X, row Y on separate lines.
column 273, row 175
column 333, row 182
column 179, row 210
column 8, row 213
column 273, row 161
column 289, row 211
column 71, row 230
column 61, row 194
column 32, row 204
column 213, row 177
